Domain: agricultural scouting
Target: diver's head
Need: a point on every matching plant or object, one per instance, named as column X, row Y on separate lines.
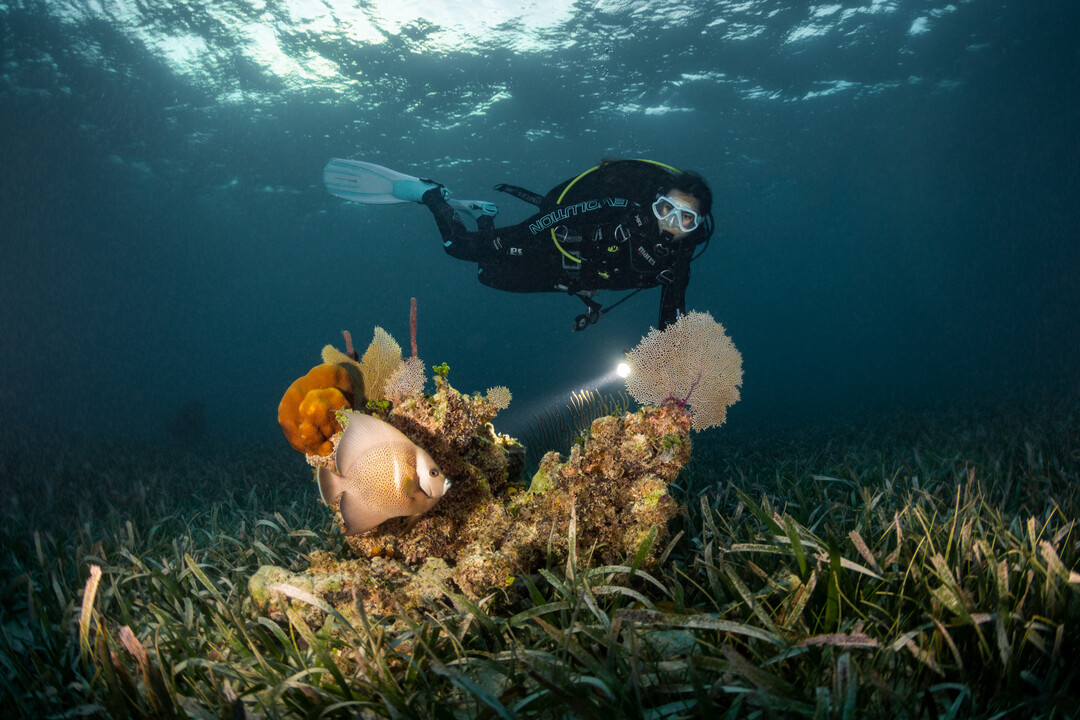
column 683, row 206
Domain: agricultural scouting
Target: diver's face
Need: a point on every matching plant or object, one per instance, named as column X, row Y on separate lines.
column 684, row 200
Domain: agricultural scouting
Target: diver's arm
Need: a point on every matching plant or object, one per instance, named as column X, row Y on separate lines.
column 673, row 294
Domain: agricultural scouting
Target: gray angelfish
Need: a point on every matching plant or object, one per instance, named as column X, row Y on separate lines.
column 384, row 474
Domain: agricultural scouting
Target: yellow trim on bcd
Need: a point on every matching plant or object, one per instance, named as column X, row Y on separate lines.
column 574, row 182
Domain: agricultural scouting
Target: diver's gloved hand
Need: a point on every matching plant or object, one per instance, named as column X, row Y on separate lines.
column 476, row 208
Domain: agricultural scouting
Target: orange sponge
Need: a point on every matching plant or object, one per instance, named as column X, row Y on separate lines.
column 306, row 411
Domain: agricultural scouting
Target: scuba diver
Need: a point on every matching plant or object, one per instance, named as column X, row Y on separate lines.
column 622, row 225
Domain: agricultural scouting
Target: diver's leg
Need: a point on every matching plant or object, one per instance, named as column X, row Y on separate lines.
column 459, row 241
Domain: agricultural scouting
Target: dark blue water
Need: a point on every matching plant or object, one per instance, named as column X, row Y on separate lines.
column 896, row 196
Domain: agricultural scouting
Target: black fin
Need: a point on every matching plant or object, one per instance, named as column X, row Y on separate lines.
column 521, row 193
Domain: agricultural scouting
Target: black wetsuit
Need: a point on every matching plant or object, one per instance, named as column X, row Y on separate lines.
column 593, row 232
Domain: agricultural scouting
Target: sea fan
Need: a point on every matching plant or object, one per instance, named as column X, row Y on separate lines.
column 379, row 362
column 692, row 362
column 408, row 379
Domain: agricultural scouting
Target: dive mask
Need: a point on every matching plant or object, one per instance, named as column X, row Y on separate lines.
column 674, row 215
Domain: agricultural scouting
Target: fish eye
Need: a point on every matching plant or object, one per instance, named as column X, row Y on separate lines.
column 434, row 472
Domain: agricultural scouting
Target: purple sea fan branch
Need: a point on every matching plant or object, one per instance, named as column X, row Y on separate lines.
column 685, row 401
column 412, row 324
column 693, row 357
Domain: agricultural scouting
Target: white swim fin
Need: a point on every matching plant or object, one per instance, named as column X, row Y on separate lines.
column 371, row 184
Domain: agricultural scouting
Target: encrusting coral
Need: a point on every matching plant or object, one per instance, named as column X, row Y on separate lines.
column 306, row 411
column 607, row 501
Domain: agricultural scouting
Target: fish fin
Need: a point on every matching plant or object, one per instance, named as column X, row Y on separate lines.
column 331, row 485
column 362, row 433
column 413, row 519
column 358, row 518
